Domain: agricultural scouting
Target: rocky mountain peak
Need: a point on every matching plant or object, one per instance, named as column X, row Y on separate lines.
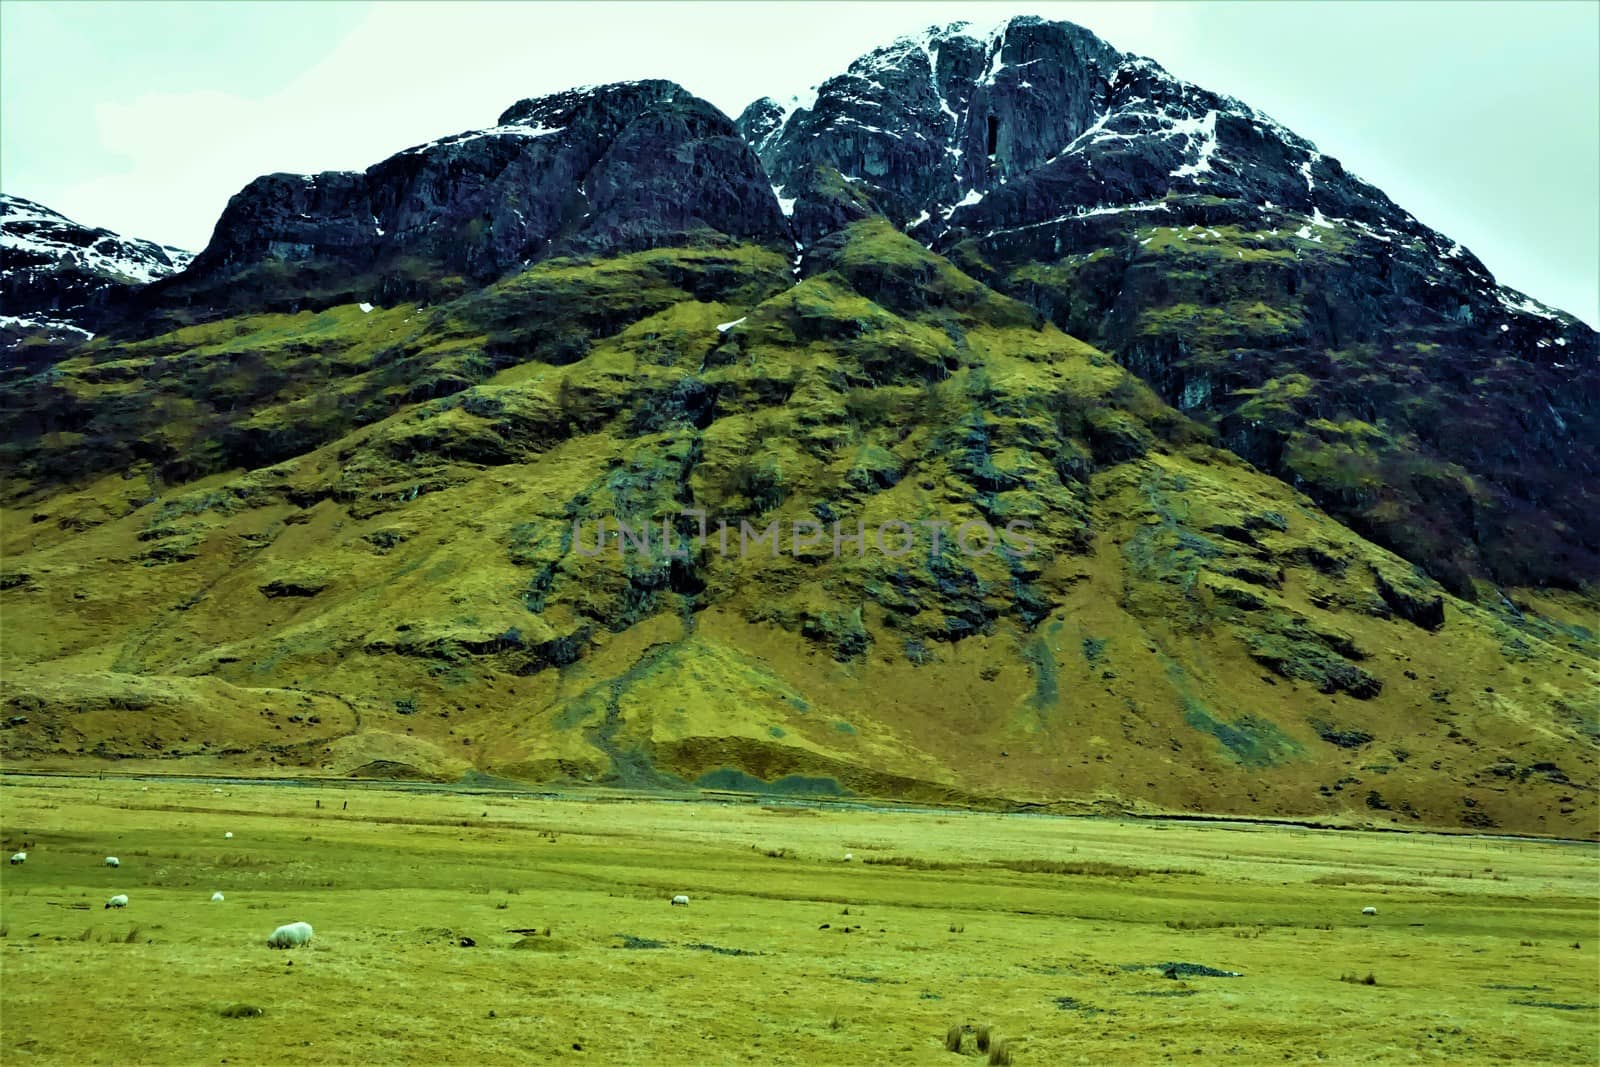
column 597, row 104
column 933, row 115
column 585, row 171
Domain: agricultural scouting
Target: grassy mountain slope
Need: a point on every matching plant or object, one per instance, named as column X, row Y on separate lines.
column 342, row 541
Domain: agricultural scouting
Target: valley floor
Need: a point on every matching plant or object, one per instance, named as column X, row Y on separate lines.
column 1056, row 933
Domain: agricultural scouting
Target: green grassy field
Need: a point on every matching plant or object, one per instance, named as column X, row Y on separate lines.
column 1053, row 932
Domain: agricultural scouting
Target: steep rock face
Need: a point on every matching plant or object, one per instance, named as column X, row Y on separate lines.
column 59, row 279
column 1324, row 332
column 587, row 171
column 933, row 117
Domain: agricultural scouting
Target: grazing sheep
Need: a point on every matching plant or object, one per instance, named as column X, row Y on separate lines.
column 1369, row 910
column 228, row 836
column 291, row 936
column 216, row 898
column 848, row 857
column 680, row 900
column 118, row 901
column 18, row 857
column 112, row 861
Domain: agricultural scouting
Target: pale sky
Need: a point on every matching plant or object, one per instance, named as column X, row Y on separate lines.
column 1480, row 119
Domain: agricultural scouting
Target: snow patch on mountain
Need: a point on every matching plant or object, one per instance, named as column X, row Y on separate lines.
column 513, row 129
column 1203, row 130
column 33, row 238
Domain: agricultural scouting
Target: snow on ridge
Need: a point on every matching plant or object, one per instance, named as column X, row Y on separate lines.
column 1514, row 301
column 790, row 106
column 19, row 322
column 16, row 209
column 1141, row 64
column 34, row 230
column 512, row 129
column 1083, row 213
column 928, row 35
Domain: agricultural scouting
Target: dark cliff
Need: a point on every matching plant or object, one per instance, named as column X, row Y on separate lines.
column 592, row 171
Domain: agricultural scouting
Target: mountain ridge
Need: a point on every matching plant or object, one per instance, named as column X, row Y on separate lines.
column 335, row 468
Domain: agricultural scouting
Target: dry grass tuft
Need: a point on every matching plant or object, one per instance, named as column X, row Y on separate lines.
column 999, row 1052
column 1087, row 868
column 1090, row 868
column 1198, row 924
column 240, row 859
column 914, row 863
column 952, row 1038
column 1361, row 879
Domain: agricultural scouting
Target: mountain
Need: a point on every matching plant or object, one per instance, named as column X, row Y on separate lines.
column 1319, row 329
column 329, row 500
column 59, row 280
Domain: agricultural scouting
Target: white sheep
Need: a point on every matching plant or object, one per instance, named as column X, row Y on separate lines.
column 228, row 836
column 848, row 857
column 112, row 861
column 18, row 857
column 291, row 936
column 1369, row 910
column 118, row 901
column 680, row 901
column 216, row 898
